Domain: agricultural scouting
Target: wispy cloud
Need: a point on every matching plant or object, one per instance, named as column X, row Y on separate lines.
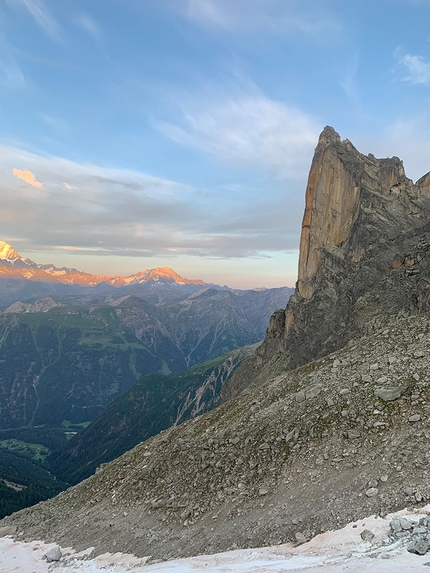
column 246, row 15
column 54, row 122
column 11, row 75
column 349, row 80
column 246, row 130
column 41, row 16
column 87, row 23
column 27, row 176
column 418, row 69
column 115, row 211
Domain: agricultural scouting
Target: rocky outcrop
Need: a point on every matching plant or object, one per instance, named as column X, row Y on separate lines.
column 364, row 251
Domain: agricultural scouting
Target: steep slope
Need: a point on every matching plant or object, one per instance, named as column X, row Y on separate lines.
column 312, row 449
column 364, row 251
column 152, row 404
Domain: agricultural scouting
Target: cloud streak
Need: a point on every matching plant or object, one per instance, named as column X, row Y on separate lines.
column 285, row 16
column 248, row 131
column 42, row 16
column 106, row 211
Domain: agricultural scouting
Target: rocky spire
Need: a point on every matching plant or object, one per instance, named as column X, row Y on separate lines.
column 364, row 252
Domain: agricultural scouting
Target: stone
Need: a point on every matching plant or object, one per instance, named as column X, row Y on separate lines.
column 371, row 492
column 313, row 392
column 390, row 393
column 263, row 491
column 344, row 391
column 367, row 535
column 301, row 396
column 414, row 418
column 419, row 546
column 300, row 538
column 395, row 526
column 53, row 554
column 405, row 524
column 353, row 434
column 291, row 435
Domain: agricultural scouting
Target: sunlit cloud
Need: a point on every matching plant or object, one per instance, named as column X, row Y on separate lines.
column 27, row 176
column 418, row 69
column 247, row 130
column 67, row 186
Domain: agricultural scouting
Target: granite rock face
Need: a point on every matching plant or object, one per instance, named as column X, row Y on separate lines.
column 364, row 251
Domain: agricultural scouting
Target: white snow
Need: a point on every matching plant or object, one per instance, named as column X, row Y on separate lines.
column 340, row 551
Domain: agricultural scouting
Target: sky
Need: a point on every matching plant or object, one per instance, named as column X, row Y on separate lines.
column 145, row 133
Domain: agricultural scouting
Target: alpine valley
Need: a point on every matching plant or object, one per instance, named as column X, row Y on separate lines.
column 83, row 340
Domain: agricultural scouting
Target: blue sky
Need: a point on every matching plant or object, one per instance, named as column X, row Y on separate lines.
column 142, row 133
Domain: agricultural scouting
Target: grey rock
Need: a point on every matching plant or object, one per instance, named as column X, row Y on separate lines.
column 405, row 524
column 371, row 492
column 344, row 391
column 300, row 396
column 53, row 554
column 419, row 546
column 414, row 418
column 263, row 491
column 367, row 535
column 313, row 392
column 390, row 393
column 300, row 538
column 353, row 434
column 395, row 526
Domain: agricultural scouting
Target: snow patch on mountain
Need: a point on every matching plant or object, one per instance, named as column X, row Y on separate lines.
column 330, row 552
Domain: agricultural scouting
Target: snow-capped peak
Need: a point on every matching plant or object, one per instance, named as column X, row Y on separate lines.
column 8, row 253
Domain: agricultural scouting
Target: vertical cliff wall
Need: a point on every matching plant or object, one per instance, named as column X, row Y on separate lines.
column 364, row 252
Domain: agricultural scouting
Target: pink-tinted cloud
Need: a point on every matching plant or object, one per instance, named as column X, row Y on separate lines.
column 27, row 176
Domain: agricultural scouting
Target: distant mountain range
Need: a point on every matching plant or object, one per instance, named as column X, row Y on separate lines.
column 66, row 356
column 23, row 279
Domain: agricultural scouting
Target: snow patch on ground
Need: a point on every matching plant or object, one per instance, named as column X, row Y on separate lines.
column 341, row 551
